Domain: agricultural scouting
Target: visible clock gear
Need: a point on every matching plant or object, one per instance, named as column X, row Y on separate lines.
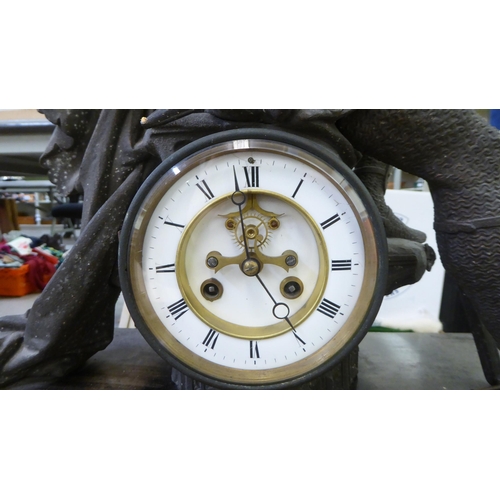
column 256, row 230
column 258, row 222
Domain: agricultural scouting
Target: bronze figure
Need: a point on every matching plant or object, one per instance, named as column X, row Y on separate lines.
column 106, row 155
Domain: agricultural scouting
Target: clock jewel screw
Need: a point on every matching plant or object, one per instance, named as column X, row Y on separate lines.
column 274, row 223
column 212, row 262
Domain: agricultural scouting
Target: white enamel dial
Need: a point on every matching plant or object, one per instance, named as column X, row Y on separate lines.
column 250, row 264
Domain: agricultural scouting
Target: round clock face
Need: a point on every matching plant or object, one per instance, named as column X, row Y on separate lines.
column 252, row 260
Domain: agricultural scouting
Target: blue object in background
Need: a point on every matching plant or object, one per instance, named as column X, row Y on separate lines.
column 495, row 117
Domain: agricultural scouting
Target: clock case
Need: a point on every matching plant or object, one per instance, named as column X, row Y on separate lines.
column 331, row 158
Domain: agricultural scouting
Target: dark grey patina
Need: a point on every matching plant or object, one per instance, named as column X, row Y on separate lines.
column 107, row 154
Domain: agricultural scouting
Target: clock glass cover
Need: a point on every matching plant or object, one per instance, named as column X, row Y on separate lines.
column 253, row 258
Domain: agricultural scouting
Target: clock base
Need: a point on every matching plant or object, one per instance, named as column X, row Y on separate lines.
column 343, row 376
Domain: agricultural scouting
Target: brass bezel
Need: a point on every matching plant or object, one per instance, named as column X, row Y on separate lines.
column 241, row 331
column 240, row 376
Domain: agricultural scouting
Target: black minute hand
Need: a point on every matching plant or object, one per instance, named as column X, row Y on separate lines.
column 280, row 309
column 239, row 198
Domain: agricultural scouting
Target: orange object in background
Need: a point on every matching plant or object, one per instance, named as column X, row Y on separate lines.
column 14, row 282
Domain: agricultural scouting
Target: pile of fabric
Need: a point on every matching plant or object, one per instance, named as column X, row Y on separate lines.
column 41, row 259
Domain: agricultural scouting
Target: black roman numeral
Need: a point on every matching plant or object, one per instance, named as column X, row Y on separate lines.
column 328, row 308
column 297, row 188
column 211, row 337
column 167, row 268
column 329, row 222
column 177, row 309
column 254, row 350
column 205, row 190
column 341, row 265
column 252, row 176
